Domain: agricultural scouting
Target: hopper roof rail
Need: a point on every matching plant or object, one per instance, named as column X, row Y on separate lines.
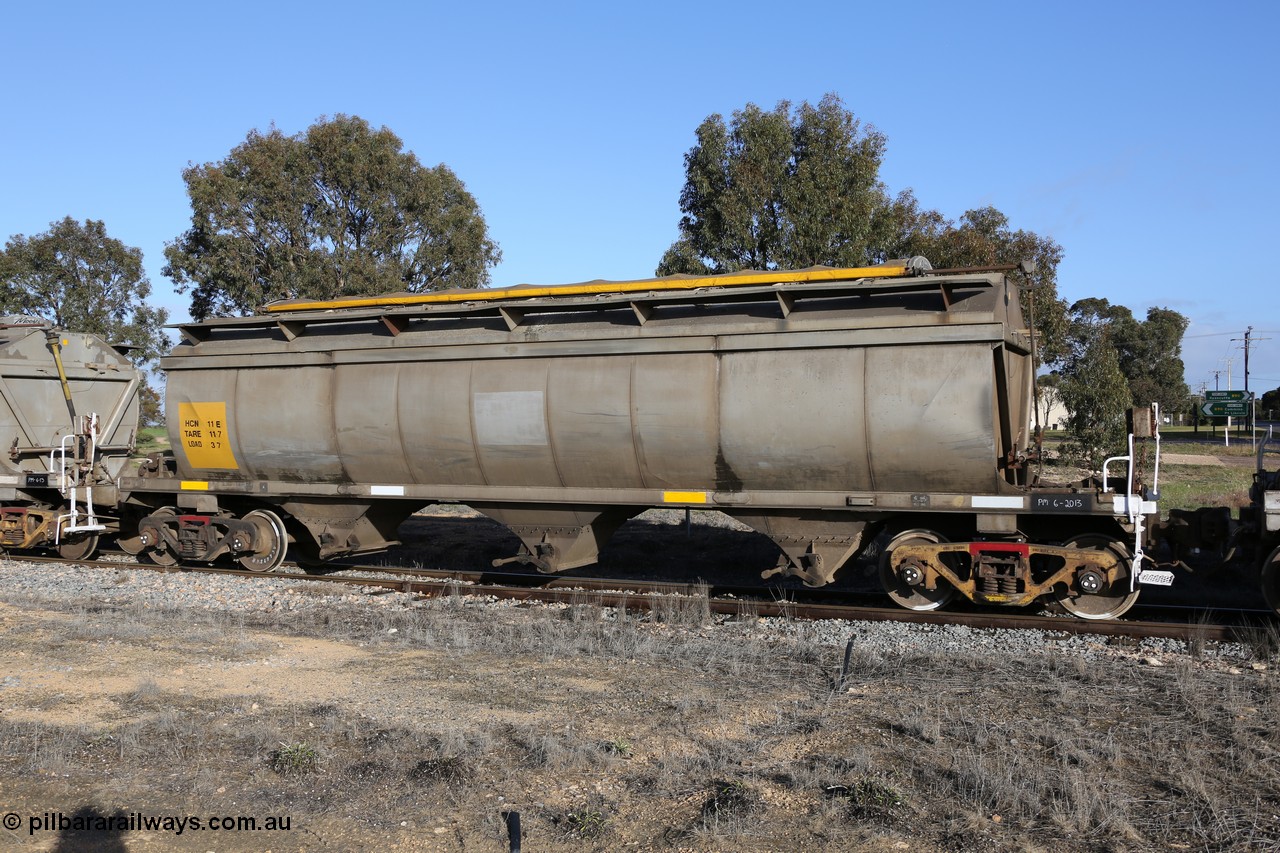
column 786, row 293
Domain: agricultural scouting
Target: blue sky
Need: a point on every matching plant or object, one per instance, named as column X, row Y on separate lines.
column 1140, row 136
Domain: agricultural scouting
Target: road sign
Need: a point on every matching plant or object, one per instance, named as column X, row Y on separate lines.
column 1226, row 409
column 1227, row 396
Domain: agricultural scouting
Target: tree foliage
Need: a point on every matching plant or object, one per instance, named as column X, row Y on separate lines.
column 1269, row 404
column 338, row 210
column 1147, row 360
column 792, row 188
column 150, row 407
column 1151, row 359
column 78, row 278
column 1149, row 352
column 779, row 189
column 1093, row 390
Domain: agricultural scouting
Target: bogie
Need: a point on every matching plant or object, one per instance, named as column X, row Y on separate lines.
column 258, row 540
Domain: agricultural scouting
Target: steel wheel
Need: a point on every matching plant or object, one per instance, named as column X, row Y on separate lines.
column 1110, row 602
column 130, row 544
column 1271, row 580
column 273, row 542
column 159, row 555
column 78, row 546
column 912, row 597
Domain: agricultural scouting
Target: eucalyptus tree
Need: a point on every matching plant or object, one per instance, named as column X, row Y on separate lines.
column 789, row 188
column 1093, row 389
column 338, row 210
column 1148, row 352
column 779, row 189
column 79, row 278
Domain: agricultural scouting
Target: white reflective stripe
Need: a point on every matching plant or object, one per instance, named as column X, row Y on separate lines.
column 992, row 502
column 386, row 490
column 1120, row 506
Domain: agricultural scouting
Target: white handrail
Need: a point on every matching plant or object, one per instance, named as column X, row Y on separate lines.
column 69, row 491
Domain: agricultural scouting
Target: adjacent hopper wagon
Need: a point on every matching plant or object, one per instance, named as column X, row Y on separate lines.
column 68, row 415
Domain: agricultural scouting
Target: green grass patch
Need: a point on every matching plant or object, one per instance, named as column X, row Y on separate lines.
column 152, row 440
column 1191, row 486
column 1240, row 447
column 294, row 759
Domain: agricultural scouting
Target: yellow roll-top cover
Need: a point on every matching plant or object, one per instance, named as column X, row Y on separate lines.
column 889, row 269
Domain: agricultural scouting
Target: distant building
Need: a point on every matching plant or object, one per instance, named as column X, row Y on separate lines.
column 1055, row 418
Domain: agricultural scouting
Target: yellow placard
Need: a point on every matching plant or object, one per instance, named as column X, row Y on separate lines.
column 205, row 436
column 684, row 497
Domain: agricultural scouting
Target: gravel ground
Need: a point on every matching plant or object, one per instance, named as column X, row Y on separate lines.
column 47, row 583
column 1191, row 459
column 381, row 720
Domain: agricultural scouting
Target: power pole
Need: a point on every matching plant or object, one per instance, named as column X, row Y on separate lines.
column 1248, row 332
column 1213, row 422
column 1249, row 340
column 1226, row 433
column 1195, row 409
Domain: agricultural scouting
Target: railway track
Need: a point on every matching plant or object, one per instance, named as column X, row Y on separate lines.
column 743, row 601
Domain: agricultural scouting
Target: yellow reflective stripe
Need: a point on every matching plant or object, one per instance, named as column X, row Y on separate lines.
column 594, row 287
column 684, row 497
column 195, row 486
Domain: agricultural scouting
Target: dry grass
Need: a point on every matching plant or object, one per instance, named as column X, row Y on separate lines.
column 606, row 731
